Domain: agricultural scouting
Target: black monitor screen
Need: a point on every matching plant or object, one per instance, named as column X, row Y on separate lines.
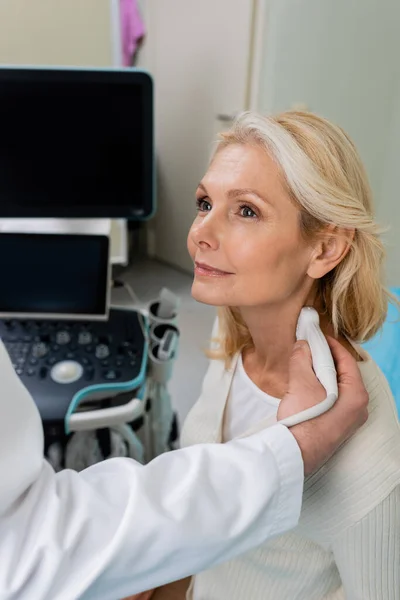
column 76, row 143
column 50, row 274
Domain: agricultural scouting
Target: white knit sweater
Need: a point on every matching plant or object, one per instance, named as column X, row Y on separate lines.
column 347, row 543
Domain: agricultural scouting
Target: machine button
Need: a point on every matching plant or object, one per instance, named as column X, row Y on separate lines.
column 66, row 371
column 102, row 351
column 63, row 337
column 111, row 374
column 39, row 350
column 84, row 338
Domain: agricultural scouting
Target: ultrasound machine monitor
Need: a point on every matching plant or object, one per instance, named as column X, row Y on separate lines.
column 54, row 276
column 76, row 143
column 66, row 343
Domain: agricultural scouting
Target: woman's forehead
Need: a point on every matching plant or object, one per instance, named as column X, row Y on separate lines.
column 245, row 166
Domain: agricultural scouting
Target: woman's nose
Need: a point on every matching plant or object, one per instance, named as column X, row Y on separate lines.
column 204, row 234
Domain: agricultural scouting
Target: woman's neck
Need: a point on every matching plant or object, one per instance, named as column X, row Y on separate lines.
column 273, row 332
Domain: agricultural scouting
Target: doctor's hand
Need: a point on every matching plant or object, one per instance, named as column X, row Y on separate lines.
column 142, row 596
column 319, row 438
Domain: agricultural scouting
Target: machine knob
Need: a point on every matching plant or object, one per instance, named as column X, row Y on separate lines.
column 66, row 371
column 102, row 351
column 39, row 350
column 85, row 337
column 62, row 338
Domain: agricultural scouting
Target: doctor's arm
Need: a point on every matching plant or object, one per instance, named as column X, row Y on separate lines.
column 119, row 527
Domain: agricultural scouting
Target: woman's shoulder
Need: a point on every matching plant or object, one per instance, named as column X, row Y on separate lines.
column 365, row 470
column 204, row 418
column 217, row 371
column 376, row 446
column 383, row 421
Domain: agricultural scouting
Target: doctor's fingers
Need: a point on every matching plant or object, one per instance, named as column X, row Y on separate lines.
column 346, row 365
column 302, row 378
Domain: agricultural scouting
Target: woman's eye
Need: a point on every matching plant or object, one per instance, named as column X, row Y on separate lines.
column 202, row 205
column 247, row 212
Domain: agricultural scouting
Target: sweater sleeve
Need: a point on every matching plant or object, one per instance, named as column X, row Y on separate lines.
column 368, row 553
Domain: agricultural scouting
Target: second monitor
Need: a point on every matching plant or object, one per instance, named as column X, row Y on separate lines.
column 54, row 276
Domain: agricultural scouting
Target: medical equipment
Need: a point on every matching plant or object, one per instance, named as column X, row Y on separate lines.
column 158, row 332
column 65, row 342
column 65, row 363
column 168, row 345
column 308, row 329
column 163, row 310
column 76, row 143
column 167, row 305
column 83, row 358
column 163, row 347
column 51, row 276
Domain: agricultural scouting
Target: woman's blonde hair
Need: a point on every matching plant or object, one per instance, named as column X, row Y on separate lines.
column 325, row 178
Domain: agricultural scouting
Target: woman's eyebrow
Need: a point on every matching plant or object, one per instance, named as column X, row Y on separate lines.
column 201, row 187
column 244, row 191
column 235, row 193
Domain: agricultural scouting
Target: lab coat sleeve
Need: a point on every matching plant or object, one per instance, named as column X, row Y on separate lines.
column 119, row 527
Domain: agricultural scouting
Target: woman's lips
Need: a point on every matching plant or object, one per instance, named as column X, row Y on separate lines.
column 208, row 271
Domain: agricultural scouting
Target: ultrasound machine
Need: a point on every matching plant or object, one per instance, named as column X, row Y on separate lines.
column 77, row 144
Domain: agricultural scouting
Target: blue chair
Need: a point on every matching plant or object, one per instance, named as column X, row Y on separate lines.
column 385, row 349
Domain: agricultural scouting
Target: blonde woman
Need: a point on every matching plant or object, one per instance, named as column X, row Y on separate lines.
column 285, row 220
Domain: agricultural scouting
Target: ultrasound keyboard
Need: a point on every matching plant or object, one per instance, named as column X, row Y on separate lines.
column 62, row 363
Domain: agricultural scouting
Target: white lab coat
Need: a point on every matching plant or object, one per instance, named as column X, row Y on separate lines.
column 119, row 527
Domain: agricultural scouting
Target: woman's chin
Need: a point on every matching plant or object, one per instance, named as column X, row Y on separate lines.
column 205, row 294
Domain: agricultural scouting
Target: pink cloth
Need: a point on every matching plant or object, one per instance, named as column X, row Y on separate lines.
column 132, row 29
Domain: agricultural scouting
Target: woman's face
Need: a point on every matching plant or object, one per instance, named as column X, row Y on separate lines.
column 245, row 241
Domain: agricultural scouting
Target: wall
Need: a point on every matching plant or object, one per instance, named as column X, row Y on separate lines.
column 198, row 55
column 389, row 197
column 340, row 59
column 55, row 32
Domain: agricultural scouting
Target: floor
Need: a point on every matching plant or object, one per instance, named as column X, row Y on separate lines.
column 147, row 278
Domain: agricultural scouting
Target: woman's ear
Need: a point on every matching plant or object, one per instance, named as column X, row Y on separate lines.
column 329, row 251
